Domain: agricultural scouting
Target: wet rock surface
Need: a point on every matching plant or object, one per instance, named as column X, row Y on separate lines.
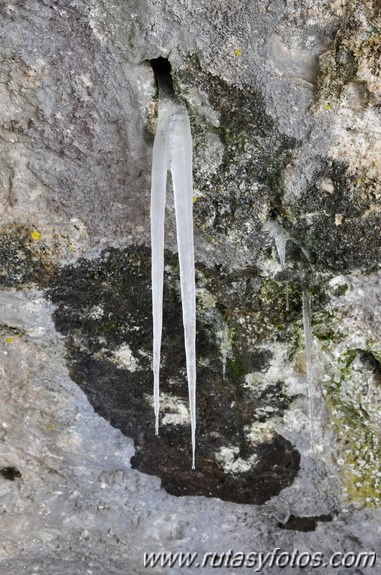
column 104, row 310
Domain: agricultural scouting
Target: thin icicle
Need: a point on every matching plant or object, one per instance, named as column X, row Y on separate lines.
column 173, row 150
column 308, row 345
column 224, row 349
column 287, row 295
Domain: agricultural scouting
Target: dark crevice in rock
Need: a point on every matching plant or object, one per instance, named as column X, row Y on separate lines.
column 105, row 305
column 162, row 70
column 371, row 363
column 296, row 523
column 10, row 473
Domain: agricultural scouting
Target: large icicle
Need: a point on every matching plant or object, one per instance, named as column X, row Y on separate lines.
column 173, row 150
column 158, row 197
column 308, row 345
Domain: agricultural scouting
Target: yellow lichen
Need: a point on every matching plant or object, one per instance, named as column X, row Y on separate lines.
column 35, row 235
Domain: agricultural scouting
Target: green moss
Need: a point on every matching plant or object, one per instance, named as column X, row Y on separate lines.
column 324, row 334
column 107, row 327
column 341, row 290
column 357, row 41
column 237, row 370
column 354, row 416
column 223, row 310
column 339, row 66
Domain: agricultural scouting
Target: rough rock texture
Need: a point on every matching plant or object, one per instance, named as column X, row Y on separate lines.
column 284, row 101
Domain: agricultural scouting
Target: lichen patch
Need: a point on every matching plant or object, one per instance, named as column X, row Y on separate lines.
column 124, row 359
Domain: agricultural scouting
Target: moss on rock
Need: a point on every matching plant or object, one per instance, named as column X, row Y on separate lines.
column 354, row 401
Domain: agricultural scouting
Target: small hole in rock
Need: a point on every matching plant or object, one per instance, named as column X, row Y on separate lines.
column 304, row 523
column 162, row 70
column 10, row 473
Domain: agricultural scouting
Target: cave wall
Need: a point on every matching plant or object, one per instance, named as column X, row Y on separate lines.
column 284, row 102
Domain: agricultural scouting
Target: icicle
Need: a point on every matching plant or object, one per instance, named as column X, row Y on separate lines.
column 180, row 161
column 308, row 345
column 280, row 242
column 173, row 150
column 287, row 295
column 280, row 239
column 224, row 349
column 158, row 196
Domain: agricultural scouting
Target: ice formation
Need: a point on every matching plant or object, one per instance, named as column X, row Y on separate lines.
column 225, row 344
column 280, row 239
column 308, row 344
column 286, row 285
column 172, row 150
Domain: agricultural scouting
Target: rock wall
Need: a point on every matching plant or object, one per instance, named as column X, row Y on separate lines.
column 284, row 101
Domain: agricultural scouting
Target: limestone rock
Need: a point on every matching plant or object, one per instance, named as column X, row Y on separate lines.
column 283, row 98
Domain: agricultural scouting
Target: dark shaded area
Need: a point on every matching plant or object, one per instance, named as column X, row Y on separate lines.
column 105, row 304
column 295, row 523
column 10, row 473
column 249, row 179
column 353, row 243
column 371, row 363
column 162, row 70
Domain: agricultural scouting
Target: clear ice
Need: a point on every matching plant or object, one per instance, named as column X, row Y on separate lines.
column 308, row 345
column 286, row 284
column 172, row 150
column 224, row 349
column 280, row 239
